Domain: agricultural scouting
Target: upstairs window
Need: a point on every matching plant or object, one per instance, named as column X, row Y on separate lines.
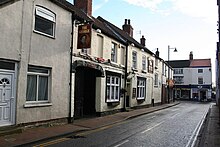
column 156, row 80
column 114, row 53
column 45, row 21
column 200, row 80
column 143, row 62
column 150, row 66
column 178, row 79
column 200, row 70
column 178, row 71
column 134, row 60
column 123, row 55
column 156, row 62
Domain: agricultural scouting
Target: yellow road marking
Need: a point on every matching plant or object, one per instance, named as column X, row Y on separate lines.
column 52, row 142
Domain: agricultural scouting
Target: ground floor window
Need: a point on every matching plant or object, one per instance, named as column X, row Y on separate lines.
column 113, row 88
column 141, row 88
column 37, row 84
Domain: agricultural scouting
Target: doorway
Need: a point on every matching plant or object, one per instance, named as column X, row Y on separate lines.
column 85, row 92
column 7, row 106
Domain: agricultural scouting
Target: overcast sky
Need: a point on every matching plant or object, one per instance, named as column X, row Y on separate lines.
column 188, row 25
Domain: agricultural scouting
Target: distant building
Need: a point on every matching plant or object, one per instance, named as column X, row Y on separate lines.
column 193, row 78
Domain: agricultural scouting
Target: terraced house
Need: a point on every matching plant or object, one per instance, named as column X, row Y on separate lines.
column 58, row 62
column 116, row 72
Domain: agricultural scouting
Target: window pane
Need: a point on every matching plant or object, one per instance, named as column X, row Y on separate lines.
column 108, row 79
column 108, row 92
column 113, row 80
column 117, row 93
column 31, row 88
column 112, row 95
column 43, row 88
column 116, row 80
column 44, row 25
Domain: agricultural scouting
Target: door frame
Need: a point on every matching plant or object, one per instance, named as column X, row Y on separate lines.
column 13, row 73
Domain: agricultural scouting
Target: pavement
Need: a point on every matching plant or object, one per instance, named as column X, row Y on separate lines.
column 210, row 132
column 210, row 136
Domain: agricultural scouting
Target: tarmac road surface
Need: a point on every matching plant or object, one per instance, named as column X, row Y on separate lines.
column 176, row 126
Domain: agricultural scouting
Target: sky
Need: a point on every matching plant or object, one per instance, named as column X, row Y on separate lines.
column 188, row 25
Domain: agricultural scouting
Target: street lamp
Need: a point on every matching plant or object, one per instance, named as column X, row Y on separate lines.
column 175, row 50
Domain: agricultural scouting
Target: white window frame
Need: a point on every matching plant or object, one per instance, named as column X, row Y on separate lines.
column 144, row 67
column 178, row 79
column 114, row 52
column 156, row 80
column 156, row 62
column 47, row 15
column 38, row 74
column 200, row 70
column 150, row 66
column 200, row 79
column 113, row 88
column 123, row 55
column 178, row 71
column 134, row 59
column 141, row 88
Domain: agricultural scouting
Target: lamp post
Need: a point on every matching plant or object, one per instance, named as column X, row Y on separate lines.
column 168, row 88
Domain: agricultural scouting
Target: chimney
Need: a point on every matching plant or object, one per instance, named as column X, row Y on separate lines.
column 127, row 27
column 157, row 53
column 191, row 56
column 143, row 40
column 84, row 5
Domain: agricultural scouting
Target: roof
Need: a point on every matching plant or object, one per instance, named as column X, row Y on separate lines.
column 190, row 63
column 200, row 63
column 97, row 24
column 179, row 63
column 78, row 14
column 122, row 34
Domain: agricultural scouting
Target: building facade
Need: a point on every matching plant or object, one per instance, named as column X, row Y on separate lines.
column 46, row 76
column 193, row 78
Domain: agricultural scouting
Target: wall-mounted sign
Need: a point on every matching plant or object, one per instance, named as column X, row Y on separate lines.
column 84, row 36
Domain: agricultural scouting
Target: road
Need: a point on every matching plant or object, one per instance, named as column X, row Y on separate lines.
column 172, row 127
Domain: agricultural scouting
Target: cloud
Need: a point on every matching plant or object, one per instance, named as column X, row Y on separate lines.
column 99, row 5
column 205, row 9
column 151, row 4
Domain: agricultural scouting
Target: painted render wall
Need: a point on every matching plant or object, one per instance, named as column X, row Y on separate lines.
column 10, row 38
column 101, row 105
column 33, row 48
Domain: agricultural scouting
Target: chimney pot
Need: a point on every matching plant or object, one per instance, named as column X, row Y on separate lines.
column 129, row 21
column 143, row 40
column 126, row 21
column 191, row 56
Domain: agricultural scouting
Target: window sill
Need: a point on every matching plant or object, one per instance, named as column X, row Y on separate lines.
column 44, row 34
column 31, row 105
column 113, row 103
column 140, row 99
column 144, row 71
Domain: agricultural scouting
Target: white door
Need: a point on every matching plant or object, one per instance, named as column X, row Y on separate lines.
column 5, row 99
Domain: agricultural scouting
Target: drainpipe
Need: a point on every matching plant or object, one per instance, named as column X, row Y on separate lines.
column 71, row 60
column 126, row 75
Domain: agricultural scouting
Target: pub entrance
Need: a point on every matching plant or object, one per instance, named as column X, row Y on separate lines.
column 85, row 92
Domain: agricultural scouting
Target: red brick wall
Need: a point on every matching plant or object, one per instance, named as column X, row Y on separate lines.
column 84, row 5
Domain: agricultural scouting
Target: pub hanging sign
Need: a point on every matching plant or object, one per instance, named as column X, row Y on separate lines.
column 84, row 37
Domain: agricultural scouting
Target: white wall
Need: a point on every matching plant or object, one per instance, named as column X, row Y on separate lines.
column 19, row 42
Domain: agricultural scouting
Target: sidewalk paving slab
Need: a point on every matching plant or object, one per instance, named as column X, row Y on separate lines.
column 211, row 132
column 44, row 133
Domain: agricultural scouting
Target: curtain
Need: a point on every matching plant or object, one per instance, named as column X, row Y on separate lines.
column 31, row 88
column 43, row 88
